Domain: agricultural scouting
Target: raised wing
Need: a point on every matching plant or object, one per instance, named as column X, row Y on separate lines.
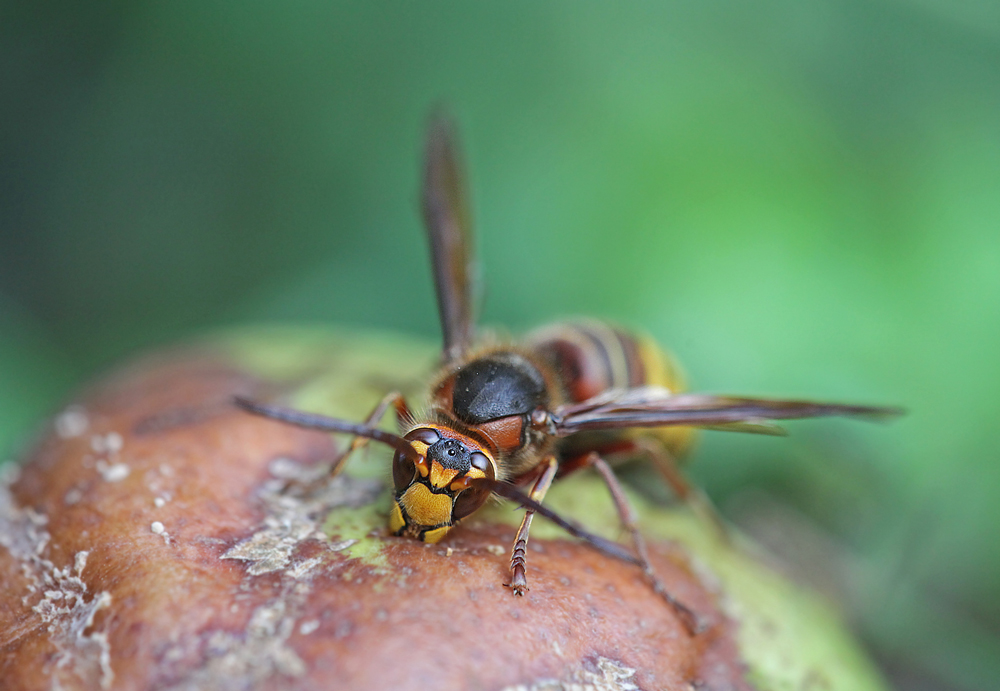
column 449, row 229
column 655, row 407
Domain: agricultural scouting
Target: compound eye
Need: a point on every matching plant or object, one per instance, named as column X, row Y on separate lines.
column 480, row 461
column 403, row 470
column 468, row 501
column 424, row 434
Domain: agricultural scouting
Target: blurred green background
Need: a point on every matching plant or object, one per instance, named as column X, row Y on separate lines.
column 799, row 198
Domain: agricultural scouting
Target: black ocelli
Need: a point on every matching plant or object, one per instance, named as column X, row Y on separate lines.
column 451, row 454
column 496, row 386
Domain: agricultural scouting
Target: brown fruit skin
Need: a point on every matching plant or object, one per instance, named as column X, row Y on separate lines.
column 154, row 605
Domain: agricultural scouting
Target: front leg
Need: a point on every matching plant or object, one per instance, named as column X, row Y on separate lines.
column 518, row 581
column 393, row 398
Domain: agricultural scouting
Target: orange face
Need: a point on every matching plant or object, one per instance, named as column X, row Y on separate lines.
column 435, row 485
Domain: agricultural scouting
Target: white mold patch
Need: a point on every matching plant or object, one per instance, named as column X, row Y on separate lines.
column 297, row 501
column 72, row 422
column 23, row 535
column 58, row 597
column 107, row 444
column 160, row 481
column 22, row 531
column 248, row 660
column 158, row 528
column 112, row 472
column 69, row 617
column 602, row 675
column 303, row 568
column 295, row 512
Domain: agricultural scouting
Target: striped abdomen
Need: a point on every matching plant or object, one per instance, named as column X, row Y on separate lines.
column 592, row 357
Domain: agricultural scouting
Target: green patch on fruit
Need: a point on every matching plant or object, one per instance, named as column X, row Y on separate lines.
column 365, row 525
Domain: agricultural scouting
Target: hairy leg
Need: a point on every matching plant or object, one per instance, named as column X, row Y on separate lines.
column 518, row 581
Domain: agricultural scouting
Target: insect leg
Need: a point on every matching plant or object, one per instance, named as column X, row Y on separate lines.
column 629, row 519
column 690, row 494
column 518, row 581
column 393, row 398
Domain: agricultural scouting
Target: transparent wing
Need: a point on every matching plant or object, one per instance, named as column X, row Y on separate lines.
column 449, row 229
column 655, row 407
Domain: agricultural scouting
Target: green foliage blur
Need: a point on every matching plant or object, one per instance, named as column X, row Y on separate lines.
column 798, row 198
